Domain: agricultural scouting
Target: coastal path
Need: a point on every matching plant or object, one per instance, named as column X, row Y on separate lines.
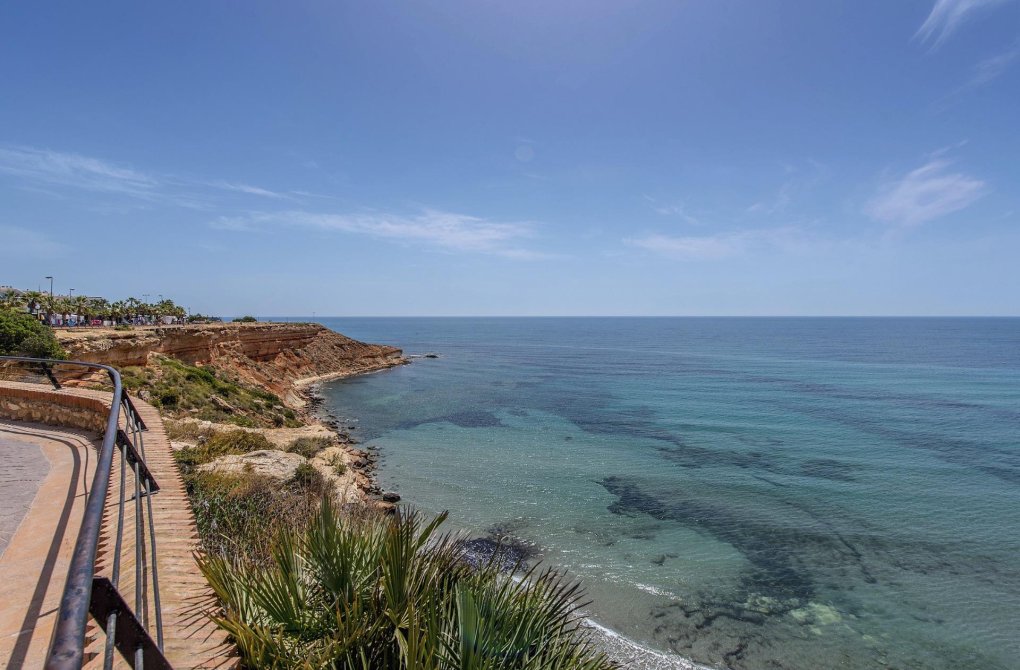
column 46, row 470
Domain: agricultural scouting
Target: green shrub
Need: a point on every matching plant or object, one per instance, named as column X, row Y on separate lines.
column 205, row 393
column 201, row 318
column 306, row 476
column 309, row 446
column 239, row 515
column 245, row 319
column 338, row 465
column 221, row 444
column 123, row 326
column 389, row 593
column 168, row 399
column 22, row 334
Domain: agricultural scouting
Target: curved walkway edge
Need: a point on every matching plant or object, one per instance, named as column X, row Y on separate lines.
column 191, row 639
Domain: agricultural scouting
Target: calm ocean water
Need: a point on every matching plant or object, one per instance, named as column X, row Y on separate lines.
column 747, row 493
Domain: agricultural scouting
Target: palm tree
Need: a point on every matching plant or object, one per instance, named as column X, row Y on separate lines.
column 34, row 300
column 99, row 308
column 14, row 300
column 133, row 307
column 388, row 593
column 118, row 310
column 80, row 305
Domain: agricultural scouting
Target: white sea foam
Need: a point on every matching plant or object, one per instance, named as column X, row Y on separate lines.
column 630, row 654
column 654, row 590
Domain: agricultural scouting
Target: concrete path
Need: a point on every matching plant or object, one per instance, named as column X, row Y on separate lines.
column 43, row 473
column 22, row 469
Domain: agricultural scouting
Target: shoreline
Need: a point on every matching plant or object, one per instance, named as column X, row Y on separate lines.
column 617, row 646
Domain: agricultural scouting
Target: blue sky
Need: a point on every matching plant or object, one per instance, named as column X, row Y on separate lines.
column 521, row 158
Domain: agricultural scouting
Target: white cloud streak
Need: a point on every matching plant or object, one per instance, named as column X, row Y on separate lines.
column 74, row 170
column 991, row 68
column 249, row 189
column 927, row 193
column 34, row 166
column 444, row 230
column 722, row 245
column 946, row 17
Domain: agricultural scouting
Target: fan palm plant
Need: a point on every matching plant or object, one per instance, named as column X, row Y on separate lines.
column 383, row 592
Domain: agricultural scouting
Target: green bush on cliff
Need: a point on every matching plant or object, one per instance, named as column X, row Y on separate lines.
column 240, row 515
column 204, row 393
column 388, row 592
column 22, row 334
column 309, row 446
column 220, row 444
column 245, row 319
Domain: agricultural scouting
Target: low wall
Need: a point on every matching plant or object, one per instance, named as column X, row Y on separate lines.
column 35, row 403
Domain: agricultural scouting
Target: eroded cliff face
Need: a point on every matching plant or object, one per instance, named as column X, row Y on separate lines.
column 277, row 356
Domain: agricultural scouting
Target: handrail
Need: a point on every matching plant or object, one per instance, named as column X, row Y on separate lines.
column 85, row 592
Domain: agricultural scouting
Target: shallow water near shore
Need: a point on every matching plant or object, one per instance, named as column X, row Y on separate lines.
column 746, row 493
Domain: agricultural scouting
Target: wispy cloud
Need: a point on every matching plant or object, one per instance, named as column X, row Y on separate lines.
column 991, row 68
column 927, row 193
column 777, row 204
column 799, row 180
column 36, row 168
column 945, row 18
column 249, row 189
column 678, row 210
column 444, row 230
column 68, row 169
column 721, row 245
column 24, row 243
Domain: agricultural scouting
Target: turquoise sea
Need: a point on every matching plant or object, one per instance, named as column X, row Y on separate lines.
column 746, row 493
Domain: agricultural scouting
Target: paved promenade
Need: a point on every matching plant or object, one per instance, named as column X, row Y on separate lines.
column 43, row 474
column 24, row 468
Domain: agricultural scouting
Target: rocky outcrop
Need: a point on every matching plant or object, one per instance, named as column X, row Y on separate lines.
column 267, row 462
column 275, row 356
column 334, row 463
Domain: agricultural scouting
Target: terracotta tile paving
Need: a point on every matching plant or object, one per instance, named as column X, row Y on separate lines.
column 191, row 640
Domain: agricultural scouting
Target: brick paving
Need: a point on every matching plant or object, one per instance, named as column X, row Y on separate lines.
column 23, row 469
column 191, row 639
column 36, row 559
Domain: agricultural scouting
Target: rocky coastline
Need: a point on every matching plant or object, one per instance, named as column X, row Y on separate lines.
column 289, row 360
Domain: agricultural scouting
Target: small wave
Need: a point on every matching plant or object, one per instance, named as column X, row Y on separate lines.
column 654, row 590
column 630, row 654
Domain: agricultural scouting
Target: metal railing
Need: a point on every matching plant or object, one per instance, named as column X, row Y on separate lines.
column 86, row 592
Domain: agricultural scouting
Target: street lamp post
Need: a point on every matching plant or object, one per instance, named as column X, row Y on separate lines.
column 70, row 293
column 49, row 312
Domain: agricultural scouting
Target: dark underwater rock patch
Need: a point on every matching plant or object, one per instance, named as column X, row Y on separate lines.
column 828, row 468
column 472, row 418
column 774, row 569
column 505, row 552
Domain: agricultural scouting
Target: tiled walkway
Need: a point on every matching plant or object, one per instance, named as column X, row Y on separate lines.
column 42, row 494
column 23, row 468
column 44, row 471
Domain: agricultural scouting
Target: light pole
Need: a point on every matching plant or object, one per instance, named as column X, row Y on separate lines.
column 70, row 293
column 49, row 312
